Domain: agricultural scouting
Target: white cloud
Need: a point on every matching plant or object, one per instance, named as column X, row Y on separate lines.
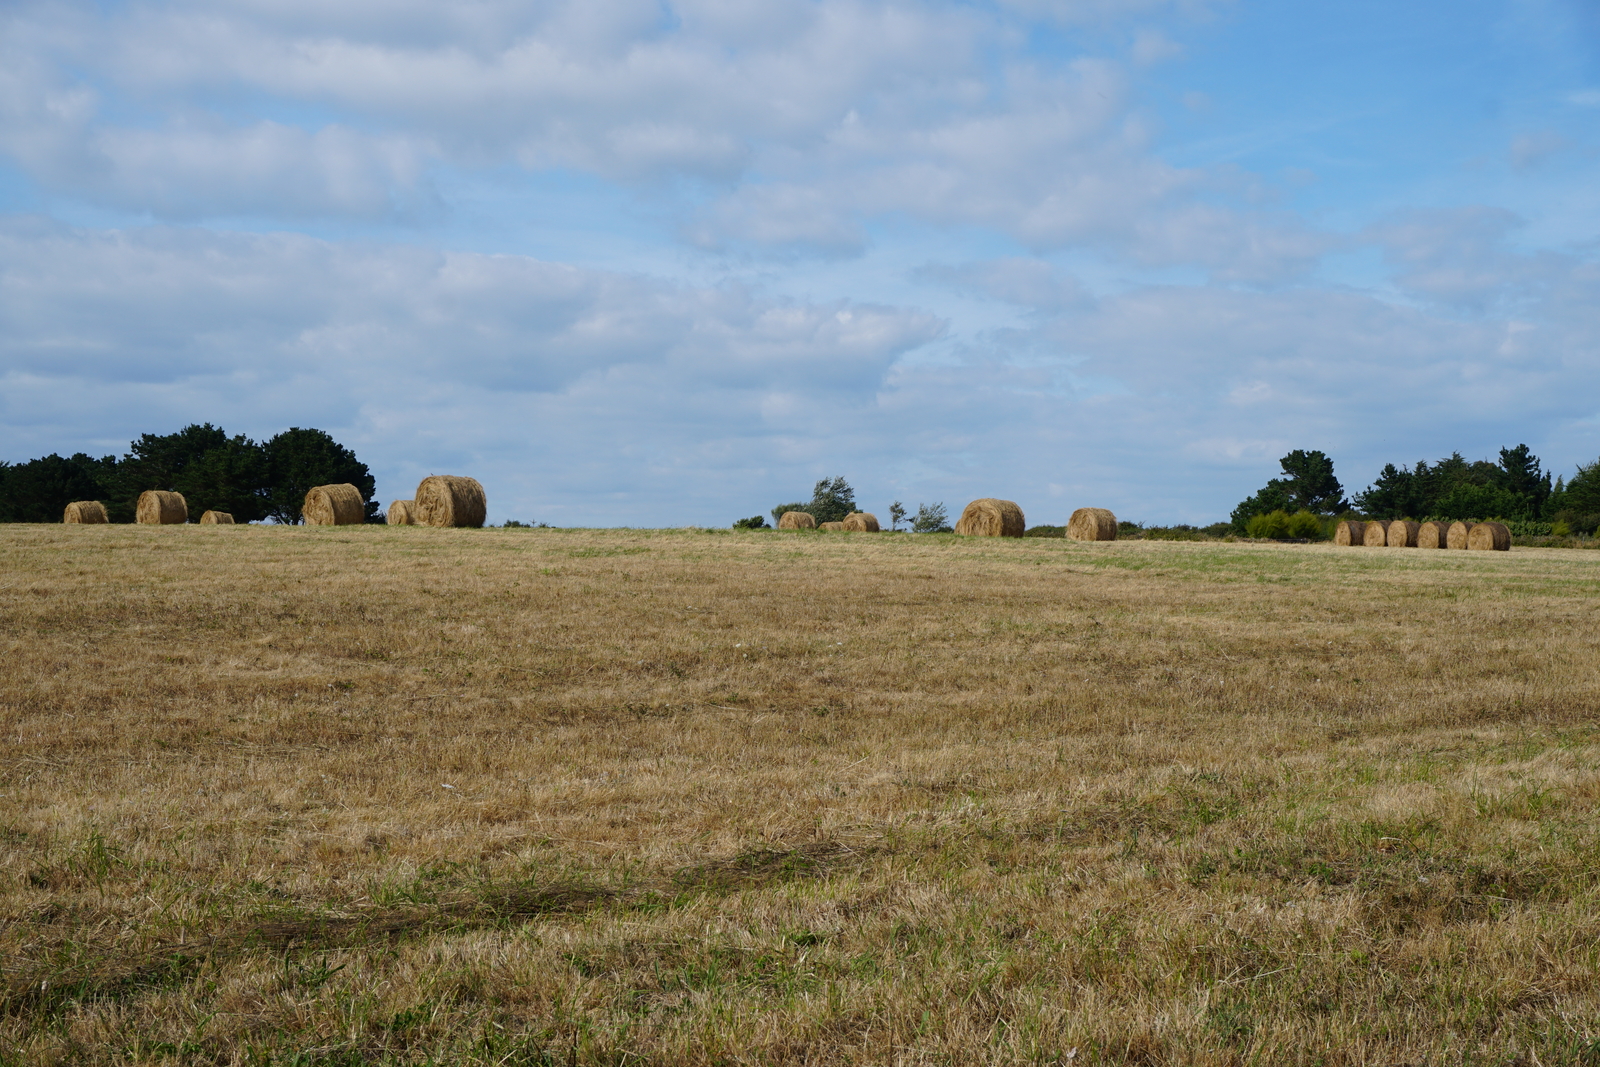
column 796, row 129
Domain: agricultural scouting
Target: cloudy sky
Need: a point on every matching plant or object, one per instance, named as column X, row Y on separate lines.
column 667, row 262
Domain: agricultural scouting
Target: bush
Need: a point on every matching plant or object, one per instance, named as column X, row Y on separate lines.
column 1304, row 524
column 1269, row 524
column 931, row 518
column 754, row 522
column 1045, row 531
column 1578, row 522
column 1170, row 533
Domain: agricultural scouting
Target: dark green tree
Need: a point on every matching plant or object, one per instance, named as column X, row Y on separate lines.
column 298, row 461
column 1523, row 477
column 1311, row 484
column 40, row 489
column 1397, row 493
column 1308, row 485
column 213, row 471
column 831, row 500
column 777, row 512
column 1577, row 503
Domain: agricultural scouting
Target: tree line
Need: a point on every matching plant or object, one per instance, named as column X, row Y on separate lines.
column 1517, row 488
column 215, row 472
column 834, row 498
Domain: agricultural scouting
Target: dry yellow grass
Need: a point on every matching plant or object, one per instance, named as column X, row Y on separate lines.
column 603, row 797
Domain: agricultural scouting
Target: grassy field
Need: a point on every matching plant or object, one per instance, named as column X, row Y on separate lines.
column 400, row 795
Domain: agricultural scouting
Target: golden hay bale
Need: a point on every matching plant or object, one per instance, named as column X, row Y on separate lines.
column 1403, row 534
column 989, row 517
column 1490, row 537
column 449, row 500
column 157, row 507
column 1350, row 532
column 1376, row 535
column 217, row 518
column 85, row 511
column 1457, row 537
column 334, row 505
column 1433, row 535
column 797, row 520
column 402, row 513
column 1092, row 524
column 861, row 522
column 836, row 526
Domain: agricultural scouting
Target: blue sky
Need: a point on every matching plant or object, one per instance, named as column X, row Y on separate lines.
column 665, row 263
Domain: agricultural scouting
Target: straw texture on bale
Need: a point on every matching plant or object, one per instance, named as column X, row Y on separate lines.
column 449, row 500
column 85, row 511
column 1350, row 532
column 334, row 505
column 157, row 507
column 861, row 522
column 836, row 526
column 1092, row 524
column 1433, row 535
column 1457, row 537
column 401, row 513
column 989, row 517
column 1376, row 535
column 1403, row 534
column 217, row 518
column 797, row 520
column 1490, row 537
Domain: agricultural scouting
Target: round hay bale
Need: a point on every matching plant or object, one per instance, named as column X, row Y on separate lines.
column 1457, row 537
column 449, row 500
column 861, row 522
column 85, row 511
column 989, row 517
column 1350, row 533
column 402, row 513
column 1490, row 537
column 1433, row 535
column 797, row 520
column 217, row 518
column 157, row 507
column 1092, row 524
column 1403, row 534
column 334, row 505
column 1376, row 535
column 838, row 527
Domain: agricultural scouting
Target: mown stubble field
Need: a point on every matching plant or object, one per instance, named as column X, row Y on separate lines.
column 401, row 795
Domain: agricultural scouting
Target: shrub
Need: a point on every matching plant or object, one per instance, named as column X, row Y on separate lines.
column 931, row 518
column 1045, row 531
column 1270, row 524
column 1304, row 524
column 754, row 522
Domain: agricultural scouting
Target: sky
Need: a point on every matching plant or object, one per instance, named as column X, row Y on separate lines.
column 669, row 262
